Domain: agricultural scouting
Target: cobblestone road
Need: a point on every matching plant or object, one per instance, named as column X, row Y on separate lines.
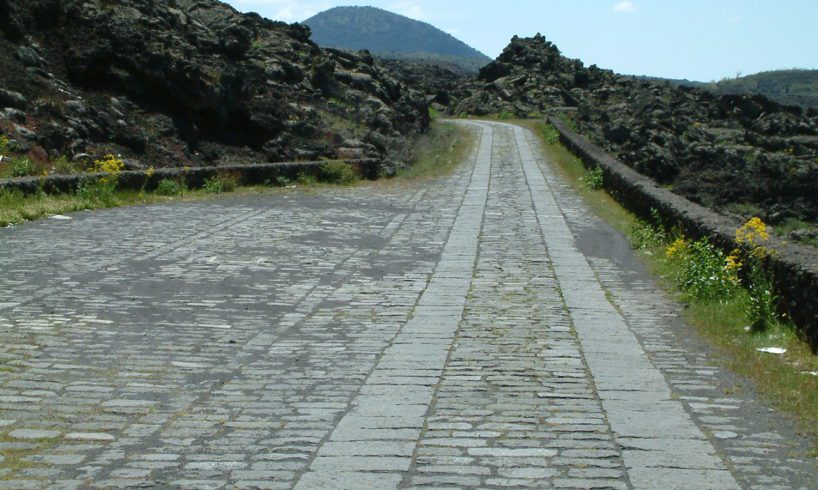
column 477, row 331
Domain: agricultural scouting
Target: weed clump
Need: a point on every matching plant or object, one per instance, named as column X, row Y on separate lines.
column 102, row 191
column 550, row 134
column 170, row 187
column 593, row 178
column 21, row 167
column 219, row 184
column 337, row 172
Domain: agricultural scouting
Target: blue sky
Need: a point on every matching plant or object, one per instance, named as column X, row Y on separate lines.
column 695, row 39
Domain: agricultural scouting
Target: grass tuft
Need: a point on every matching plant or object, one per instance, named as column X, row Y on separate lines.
column 438, row 152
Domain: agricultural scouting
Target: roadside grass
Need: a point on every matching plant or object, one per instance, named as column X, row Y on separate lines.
column 785, row 381
column 785, row 229
column 438, row 152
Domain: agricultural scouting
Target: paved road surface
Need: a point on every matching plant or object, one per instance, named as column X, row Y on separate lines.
column 477, row 331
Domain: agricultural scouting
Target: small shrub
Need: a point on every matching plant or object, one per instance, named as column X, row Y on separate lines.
column 593, row 178
column 706, row 275
column 4, row 145
column 109, row 165
column 762, row 310
column 336, row 172
column 219, row 184
column 21, row 167
column 505, row 115
column 648, row 235
column 282, row 181
column 96, row 194
column 753, row 236
column 170, row 187
column 102, row 192
column 62, row 165
column 307, row 179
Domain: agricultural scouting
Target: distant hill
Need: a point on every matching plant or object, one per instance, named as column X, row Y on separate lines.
column 789, row 87
column 389, row 35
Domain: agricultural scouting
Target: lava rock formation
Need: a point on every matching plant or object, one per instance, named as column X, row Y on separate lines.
column 190, row 82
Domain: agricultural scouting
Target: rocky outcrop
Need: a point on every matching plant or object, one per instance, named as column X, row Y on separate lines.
column 441, row 86
column 529, row 77
column 188, row 82
column 737, row 154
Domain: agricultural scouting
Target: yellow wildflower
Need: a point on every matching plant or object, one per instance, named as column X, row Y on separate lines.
column 149, row 173
column 760, row 252
column 109, row 165
column 676, row 248
column 753, row 233
column 733, row 262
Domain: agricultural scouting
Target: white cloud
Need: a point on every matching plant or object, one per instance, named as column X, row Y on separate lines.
column 626, row 7
column 408, row 9
column 453, row 31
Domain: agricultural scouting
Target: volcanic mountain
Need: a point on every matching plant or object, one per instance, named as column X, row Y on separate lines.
column 389, row 35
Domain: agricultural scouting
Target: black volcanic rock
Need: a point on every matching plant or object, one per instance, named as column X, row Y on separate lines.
column 441, row 85
column 732, row 152
column 183, row 82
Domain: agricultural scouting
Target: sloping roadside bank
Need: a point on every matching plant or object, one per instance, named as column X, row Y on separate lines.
column 794, row 267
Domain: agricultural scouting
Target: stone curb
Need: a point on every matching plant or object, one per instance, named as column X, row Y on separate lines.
column 195, row 177
column 794, row 267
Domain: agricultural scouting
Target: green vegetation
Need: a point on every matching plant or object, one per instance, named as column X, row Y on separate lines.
column 337, row 172
column 21, row 167
column 219, row 184
column 733, row 311
column 594, row 178
column 438, row 152
column 170, row 187
column 18, row 165
column 790, row 225
column 15, row 207
column 102, row 192
column 391, row 35
column 791, row 87
column 14, row 165
column 703, row 273
column 307, row 179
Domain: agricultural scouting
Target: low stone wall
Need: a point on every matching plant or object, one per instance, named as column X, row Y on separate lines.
column 195, row 177
column 794, row 267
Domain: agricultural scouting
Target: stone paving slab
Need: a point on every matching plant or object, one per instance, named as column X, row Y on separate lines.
column 470, row 331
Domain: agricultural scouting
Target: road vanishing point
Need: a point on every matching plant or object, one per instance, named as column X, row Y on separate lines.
column 482, row 330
